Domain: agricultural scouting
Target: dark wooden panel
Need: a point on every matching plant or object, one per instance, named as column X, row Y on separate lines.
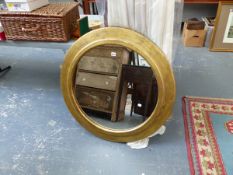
column 137, row 74
column 144, row 88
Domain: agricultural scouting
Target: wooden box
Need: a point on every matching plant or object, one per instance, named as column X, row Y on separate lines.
column 193, row 38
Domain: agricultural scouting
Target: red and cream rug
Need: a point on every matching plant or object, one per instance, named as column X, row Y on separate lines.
column 208, row 126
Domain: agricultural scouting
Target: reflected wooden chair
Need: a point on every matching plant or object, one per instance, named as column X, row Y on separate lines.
column 143, row 88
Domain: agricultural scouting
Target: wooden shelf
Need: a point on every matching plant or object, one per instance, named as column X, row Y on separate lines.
column 202, row 1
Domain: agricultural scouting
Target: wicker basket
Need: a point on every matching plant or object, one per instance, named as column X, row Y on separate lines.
column 54, row 22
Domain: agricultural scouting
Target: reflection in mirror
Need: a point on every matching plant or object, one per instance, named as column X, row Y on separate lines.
column 115, row 87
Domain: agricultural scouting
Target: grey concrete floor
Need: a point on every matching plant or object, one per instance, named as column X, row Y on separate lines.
column 39, row 136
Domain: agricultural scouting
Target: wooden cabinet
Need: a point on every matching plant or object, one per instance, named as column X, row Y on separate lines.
column 98, row 80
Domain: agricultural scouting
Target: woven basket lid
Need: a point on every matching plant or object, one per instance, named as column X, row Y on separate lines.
column 51, row 10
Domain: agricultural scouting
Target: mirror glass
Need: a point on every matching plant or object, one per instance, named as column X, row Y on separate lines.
column 115, row 87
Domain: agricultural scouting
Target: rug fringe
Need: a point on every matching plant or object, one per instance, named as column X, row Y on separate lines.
column 207, row 98
column 187, row 137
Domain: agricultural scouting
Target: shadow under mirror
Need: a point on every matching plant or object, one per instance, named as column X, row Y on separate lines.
column 115, row 87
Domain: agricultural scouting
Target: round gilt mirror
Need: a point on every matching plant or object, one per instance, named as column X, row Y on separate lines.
column 118, row 84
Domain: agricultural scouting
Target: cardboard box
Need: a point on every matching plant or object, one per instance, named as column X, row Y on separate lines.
column 25, row 5
column 193, row 38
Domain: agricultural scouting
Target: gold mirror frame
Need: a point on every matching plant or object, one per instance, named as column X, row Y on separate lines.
column 144, row 47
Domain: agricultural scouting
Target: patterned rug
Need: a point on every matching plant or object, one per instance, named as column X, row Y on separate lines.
column 209, row 135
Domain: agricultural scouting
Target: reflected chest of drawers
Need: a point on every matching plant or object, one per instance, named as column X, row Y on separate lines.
column 98, row 79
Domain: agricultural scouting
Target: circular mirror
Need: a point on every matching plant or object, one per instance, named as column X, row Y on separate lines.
column 115, row 87
column 118, row 84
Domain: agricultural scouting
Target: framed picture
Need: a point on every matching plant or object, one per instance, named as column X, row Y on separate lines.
column 222, row 37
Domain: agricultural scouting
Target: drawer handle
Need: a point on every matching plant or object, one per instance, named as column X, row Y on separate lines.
column 84, row 79
column 31, row 29
column 113, row 54
column 107, row 83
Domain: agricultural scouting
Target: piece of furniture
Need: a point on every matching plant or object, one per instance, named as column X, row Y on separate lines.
column 98, row 80
column 143, row 88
